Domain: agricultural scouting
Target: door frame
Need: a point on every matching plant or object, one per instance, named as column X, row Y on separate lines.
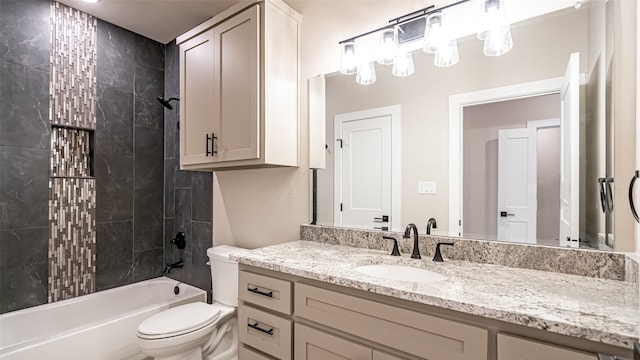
column 394, row 111
column 457, row 103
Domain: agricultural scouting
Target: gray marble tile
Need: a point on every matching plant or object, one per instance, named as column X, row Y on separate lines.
column 116, row 49
column 202, row 240
column 22, row 247
column 171, row 132
column 172, row 70
column 183, row 215
column 25, row 29
column 171, row 251
column 169, row 187
column 114, row 188
column 23, row 286
column 114, row 254
column 149, row 53
column 149, row 82
column 148, row 264
column 149, row 163
column 24, row 100
column 149, row 112
column 24, row 187
column 595, row 309
column 202, row 188
column 183, row 178
column 148, row 222
column 114, row 122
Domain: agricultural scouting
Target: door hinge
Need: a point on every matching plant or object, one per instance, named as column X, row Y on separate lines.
column 340, row 206
column 340, row 140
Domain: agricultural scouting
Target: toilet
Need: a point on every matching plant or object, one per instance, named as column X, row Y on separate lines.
column 198, row 331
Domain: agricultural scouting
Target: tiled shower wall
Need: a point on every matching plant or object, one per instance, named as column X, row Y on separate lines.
column 127, row 161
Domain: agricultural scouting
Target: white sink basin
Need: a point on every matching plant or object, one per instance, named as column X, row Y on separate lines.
column 399, row 272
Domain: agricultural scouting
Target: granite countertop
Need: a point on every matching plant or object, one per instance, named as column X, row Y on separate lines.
column 606, row 311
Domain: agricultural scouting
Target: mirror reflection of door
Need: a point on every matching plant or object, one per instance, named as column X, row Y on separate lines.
column 363, row 177
column 530, row 184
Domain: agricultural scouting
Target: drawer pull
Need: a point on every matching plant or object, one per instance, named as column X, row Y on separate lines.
column 256, row 291
column 255, row 326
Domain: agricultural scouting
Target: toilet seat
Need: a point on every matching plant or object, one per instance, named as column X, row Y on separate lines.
column 179, row 321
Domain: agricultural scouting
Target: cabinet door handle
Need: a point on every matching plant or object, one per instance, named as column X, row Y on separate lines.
column 256, row 291
column 255, row 326
column 211, row 139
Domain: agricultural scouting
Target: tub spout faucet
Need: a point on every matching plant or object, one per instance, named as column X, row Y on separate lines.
column 431, row 224
column 407, row 235
column 177, row 264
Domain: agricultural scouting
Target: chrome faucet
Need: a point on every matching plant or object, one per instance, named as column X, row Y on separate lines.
column 407, row 234
column 431, row 224
column 178, row 264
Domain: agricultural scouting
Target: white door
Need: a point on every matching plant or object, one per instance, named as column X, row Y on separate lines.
column 363, row 179
column 570, row 152
column 517, row 185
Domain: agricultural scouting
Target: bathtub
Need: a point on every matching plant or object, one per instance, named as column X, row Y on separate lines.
column 101, row 325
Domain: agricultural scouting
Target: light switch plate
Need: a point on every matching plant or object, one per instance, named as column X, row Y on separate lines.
column 426, row 187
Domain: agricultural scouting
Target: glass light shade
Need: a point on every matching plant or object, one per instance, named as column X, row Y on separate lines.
column 388, row 48
column 403, row 64
column 493, row 18
column 447, row 55
column 348, row 58
column 434, row 33
column 497, row 42
column 366, row 74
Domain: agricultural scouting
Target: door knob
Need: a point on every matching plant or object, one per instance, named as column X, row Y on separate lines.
column 505, row 214
column 384, row 218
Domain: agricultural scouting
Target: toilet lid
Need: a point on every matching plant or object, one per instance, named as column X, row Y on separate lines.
column 179, row 320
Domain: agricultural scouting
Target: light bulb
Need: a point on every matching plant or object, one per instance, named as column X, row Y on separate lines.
column 447, row 55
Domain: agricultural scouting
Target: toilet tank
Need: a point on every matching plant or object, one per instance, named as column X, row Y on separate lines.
column 224, row 274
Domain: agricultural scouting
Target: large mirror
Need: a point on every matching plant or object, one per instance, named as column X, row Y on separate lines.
column 447, row 143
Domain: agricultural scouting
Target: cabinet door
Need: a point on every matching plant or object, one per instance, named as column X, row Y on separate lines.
column 196, row 94
column 312, row 344
column 237, row 87
column 516, row 348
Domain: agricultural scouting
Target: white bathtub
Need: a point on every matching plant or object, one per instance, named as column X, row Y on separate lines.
column 102, row 325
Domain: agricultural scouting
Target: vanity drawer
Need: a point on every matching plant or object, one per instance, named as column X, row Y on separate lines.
column 266, row 332
column 412, row 332
column 268, row 292
column 247, row 353
column 517, row 348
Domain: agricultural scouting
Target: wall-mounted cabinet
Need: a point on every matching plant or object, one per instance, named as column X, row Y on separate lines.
column 239, row 89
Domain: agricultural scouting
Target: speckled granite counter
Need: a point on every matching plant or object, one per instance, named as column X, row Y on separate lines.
column 600, row 310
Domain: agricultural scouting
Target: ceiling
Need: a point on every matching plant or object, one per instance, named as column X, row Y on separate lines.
column 160, row 20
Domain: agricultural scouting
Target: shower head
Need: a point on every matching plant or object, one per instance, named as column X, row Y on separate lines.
column 166, row 103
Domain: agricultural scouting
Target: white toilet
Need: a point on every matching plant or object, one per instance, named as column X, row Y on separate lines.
column 199, row 331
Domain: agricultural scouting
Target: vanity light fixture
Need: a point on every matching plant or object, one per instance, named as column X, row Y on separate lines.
column 495, row 32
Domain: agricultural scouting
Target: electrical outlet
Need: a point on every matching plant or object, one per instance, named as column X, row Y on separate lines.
column 426, row 187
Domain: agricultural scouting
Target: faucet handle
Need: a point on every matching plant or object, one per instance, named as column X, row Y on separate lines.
column 395, row 251
column 438, row 256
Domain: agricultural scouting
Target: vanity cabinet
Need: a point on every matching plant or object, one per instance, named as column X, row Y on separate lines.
column 239, row 89
column 305, row 319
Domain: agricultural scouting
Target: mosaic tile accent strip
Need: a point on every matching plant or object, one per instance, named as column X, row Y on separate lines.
column 72, row 242
column 70, row 152
column 73, row 67
column 582, row 262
